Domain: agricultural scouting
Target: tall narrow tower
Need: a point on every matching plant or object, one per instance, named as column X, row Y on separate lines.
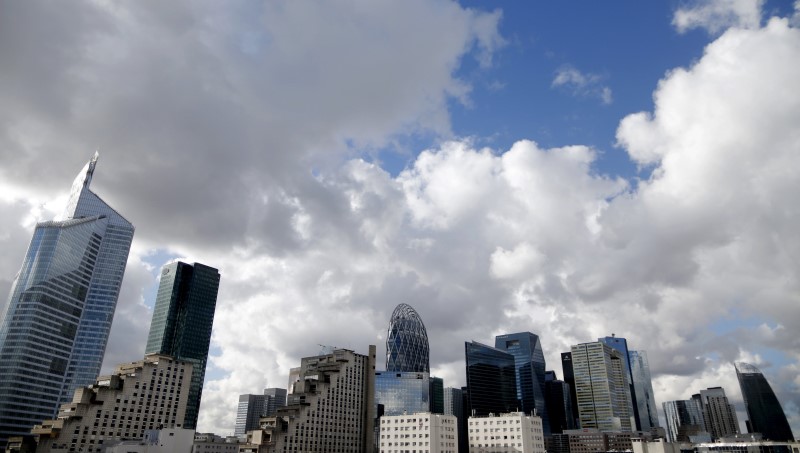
column 182, row 321
column 530, row 369
column 765, row 413
column 56, row 325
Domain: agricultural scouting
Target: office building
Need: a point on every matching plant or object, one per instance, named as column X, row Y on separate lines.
column 182, row 319
column 602, row 388
column 421, row 432
column 167, row 440
column 55, row 327
column 646, row 408
column 506, row 432
column 140, row 396
column 401, row 393
column 569, row 378
column 332, row 407
column 491, row 380
column 718, row 414
column 248, row 413
column 437, row 395
column 684, row 419
column 407, row 346
column 529, row 368
column 765, row 413
column 274, row 399
column 212, row 443
column 559, row 403
column 454, row 405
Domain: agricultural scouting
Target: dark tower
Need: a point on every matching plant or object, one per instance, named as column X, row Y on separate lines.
column 182, row 320
column 491, row 380
column 765, row 412
column 530, row 367
column 569, row 378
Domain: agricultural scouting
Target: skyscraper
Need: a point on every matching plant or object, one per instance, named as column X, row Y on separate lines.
column 250, row 409
column 643, row 390
column 621, row 344
column 402, row 392
column 62, row 302
column 437, row 395
column 491, row 380
column 559, row 403
column 407, row 346
column 765, row 413
column 602, row 388
column 569, row 379
column 454, row 405
column 182, row 321
column 530, row 368
column 684, row 419
column 718, row 414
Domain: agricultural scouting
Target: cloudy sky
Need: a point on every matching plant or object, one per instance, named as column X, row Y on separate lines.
column 567, row 169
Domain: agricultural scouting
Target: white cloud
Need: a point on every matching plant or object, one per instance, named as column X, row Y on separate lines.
column 717, row 15
column 583, row 84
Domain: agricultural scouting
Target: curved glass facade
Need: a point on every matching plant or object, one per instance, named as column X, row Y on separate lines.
column 407, row 348
column 55, row 329
column 765, row 412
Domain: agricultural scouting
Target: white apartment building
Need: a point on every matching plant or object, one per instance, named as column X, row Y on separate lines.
column 421, row 432
column 513, row 432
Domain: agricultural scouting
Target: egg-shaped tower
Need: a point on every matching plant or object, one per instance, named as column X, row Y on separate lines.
column 407, row 342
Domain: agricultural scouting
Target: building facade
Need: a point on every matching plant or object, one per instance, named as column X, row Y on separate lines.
column 765, row 413
column 602, row 388
column 491, row 380
column 504, row 433
column 644, row 398
column 182, row 319
column 274, row 399
column 559, row 403
column 530, row 369
column 569, row 378
column 421, row 432
column 332, row 407
column 684, row 419
column 400, row 393
column 407, row 347
column 454, row 405
column 55, row 328
column 248, row 413
column 149, row 394
column 718, row 414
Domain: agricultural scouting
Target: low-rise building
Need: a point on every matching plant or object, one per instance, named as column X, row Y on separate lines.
column 420, row 432
column 170, row 440
column 510, row 432
column 212, row 443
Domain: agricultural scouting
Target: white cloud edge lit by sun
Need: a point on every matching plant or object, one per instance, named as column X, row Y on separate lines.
column 583, row 84
column 715, row 16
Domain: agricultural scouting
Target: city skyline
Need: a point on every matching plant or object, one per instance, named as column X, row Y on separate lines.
column 572, row 172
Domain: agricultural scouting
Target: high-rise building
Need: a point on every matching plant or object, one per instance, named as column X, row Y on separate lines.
column 248, row 413
column 145, row 395
column 530, row 367
column 569, row 378
column 454, row 405
column 437, row 395
column 645, row 401
column 332, row 407
column 559, row 403
column 62, row 302
column 274, row 399
column 400, row 393
column 765, row 413
column 602, row 388
column 684, row 419
column 718, row 414
column 514, row 431
column 491, row 380
column 621, row 345
column 407, row 346
column 420, row 432
column 182, row 319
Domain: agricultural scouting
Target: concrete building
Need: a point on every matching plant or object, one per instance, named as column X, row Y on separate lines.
column 55, row 326
column 738, row 446
column 332, row 407
column 602, row 389
column 140, row 396
column 421, row 432
column 169, row 440
column 509, row 432
column 718, row 414
column 212, row 443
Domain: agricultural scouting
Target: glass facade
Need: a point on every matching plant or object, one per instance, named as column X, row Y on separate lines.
column 491, row 380
column 530, row 368
column 62, row 302
column 407, row 346
column 182, row 319
column 684, row 419
column 643, row 390
column 437, row 395
column 621, row 345
column 559, row 403
column 401, row 393
column 569, row 379
column 763, row 409
column 601, row 387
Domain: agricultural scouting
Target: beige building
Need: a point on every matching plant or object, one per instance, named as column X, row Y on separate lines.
column 145, row 395
column 421, row 432
column 602, row 388
column 506, row 433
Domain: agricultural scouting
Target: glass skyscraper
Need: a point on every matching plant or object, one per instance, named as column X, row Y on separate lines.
column 643, row 388
column 407, row 346
column 530, row 369
column 182, row 321
column 684, row 419
column 491, row 380
column 62, row 302
column 763, row 409
column 559, row 403
column 400, row 393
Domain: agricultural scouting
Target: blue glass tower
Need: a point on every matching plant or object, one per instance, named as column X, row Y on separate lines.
column 530, row 370
column 491, row 380
column 763, row 409
column 621, row 344
column 56, row 325
column 182, row 319
column 407, row 346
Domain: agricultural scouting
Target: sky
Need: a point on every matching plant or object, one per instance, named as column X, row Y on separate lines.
column 570, row 169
